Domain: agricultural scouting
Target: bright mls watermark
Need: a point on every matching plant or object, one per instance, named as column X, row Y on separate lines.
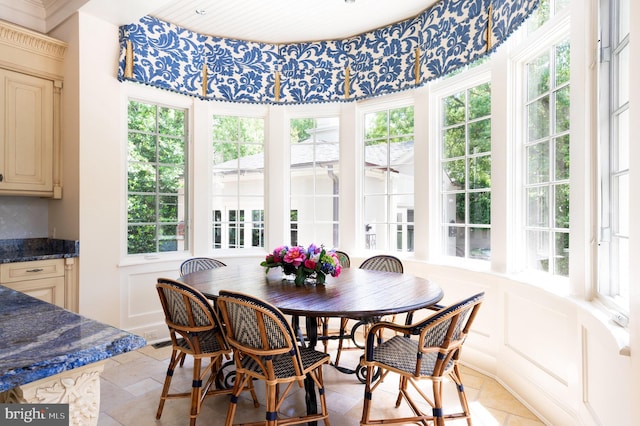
column 34, row 414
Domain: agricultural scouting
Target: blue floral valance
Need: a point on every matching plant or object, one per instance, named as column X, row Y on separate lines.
column 401, row 56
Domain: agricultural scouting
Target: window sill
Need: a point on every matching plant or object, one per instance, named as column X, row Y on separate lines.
column 556, row 287
column 604, row 315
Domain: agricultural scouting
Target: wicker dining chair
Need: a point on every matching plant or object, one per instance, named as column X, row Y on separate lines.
column 265, row 348
column 427, row 350
column 343, row 257
column 385, row 263
column 195, row 330
column 323, row 323
column 199, row 264
column 381, row 262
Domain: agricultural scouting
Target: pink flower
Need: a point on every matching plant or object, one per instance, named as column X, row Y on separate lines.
column 295, row 255
column 337, row 272
column 310, row 264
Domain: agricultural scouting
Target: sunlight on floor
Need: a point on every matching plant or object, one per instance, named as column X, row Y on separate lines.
column 132, row 382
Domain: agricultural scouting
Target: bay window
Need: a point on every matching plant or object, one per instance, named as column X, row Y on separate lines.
column 546, row 161
column 465, row 147
column 156, row 173
column 238, row 182
column 388, row 180
column 315, row 181
column 613, row 280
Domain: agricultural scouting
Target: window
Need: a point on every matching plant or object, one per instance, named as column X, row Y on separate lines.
column 466, row 173
column 156, row 173
column 315, row 184
column 388, row 179
column 257, row 228
column 546, row 151
column 217, row 229
column 238, row 182
column 546, row 9
column 236, row 228
column 613, row 282
column 294, row 227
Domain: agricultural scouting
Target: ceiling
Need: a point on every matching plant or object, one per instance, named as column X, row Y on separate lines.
column 275, row 21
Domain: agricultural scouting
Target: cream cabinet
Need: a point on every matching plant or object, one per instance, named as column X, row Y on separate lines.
column 31, row 67
column 51, row 280
column 26, row 146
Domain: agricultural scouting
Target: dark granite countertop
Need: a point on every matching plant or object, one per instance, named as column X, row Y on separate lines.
column 38, row 340
column 29, row 249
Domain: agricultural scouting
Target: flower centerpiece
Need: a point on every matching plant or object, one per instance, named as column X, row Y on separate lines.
column 304, row 263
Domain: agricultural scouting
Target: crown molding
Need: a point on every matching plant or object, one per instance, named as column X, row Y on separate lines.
column 22, row 38
column 29, row 51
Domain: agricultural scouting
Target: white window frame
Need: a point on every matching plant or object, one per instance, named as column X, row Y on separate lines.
column 144, row 95
column 247, row 224
column 610, row 272
column 529, row 47
column 310, row 225
column 472, row 77
column 389, row 103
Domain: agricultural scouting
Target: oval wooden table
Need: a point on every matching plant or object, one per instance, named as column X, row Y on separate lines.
column 356, row 293
column 361, row 294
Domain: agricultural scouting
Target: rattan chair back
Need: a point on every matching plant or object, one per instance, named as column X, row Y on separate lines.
column 383, row 262
column 193, row 325
column 199, row 264
column 258, row 330
column 265, row 348
column 344, row 259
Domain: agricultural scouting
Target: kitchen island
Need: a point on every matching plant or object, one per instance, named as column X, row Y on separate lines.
column 52, row 355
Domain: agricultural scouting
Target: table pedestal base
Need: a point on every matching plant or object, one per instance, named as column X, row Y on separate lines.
column 80, row 388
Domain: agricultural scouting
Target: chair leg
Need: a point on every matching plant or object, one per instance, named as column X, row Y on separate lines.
column 323, row 399
column 167, row 381
column 252, row 390
column 196, row 390
column 366, row 408
column 402, row 388
column 325, row 333
column 272, row 403
column 462, row 396
column 343, row 330
column 438, row 419
column 239, row 384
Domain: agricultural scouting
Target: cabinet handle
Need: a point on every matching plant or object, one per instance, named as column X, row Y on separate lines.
column 35, row 270
column 1, row 177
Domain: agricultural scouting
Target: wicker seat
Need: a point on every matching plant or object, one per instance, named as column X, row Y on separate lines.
column 195, row 330
column 199, row 264
column 265, row 348
column 432, row 355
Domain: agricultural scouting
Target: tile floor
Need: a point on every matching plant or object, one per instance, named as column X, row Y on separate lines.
column 132, row 382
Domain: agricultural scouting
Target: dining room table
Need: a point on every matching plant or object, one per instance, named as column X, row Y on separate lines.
column 359, row 294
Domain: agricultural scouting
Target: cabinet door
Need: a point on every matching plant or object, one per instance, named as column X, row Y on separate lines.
column 42, row 279
column 50, row 290
column 26, row 133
